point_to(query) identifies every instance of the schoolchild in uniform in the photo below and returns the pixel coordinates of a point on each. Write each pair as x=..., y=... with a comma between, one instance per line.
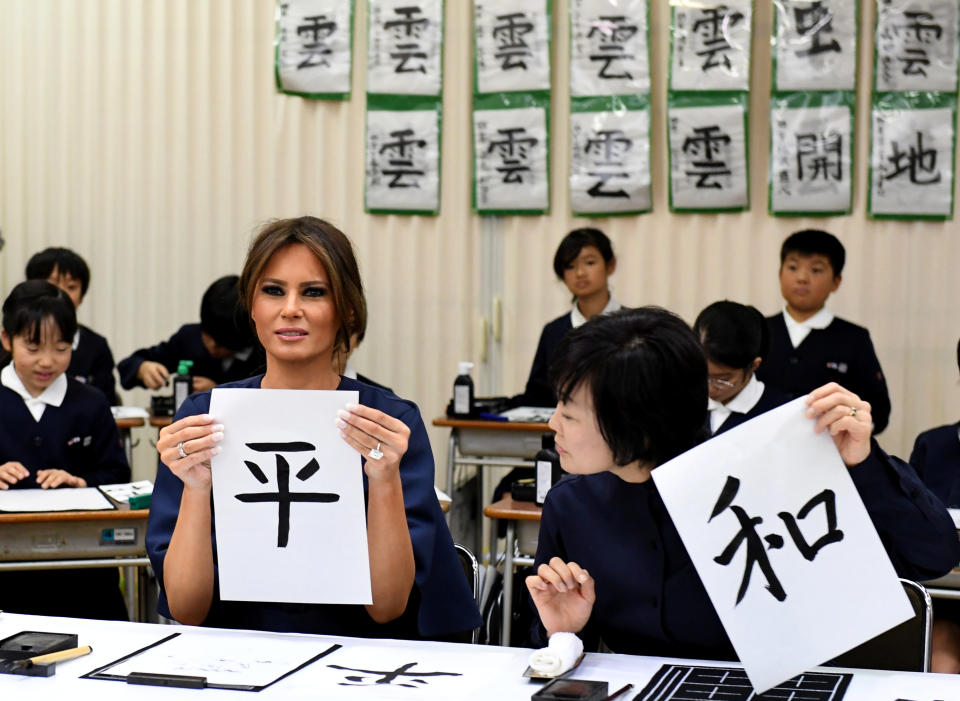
x=735, y=340
x=222, y=346
x=809, y=346
x=610, y=563
x=583, y=262
x=302, y=287
x=936, y=458
x=92, y=361
x=56, y=432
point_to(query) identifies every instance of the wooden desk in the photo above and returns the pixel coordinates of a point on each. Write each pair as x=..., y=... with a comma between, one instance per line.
x=485, y=444
x=80, y=539
x=160, y=421
x=510, y=511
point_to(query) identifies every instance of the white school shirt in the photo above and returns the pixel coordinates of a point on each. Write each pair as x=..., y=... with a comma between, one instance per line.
x=742, y=403
x=799, y=330
x=52, y=395
x=577, y=318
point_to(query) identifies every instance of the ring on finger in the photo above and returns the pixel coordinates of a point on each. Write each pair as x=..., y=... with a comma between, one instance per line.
x=183, y=453
x=376, y=453
x=853, y=412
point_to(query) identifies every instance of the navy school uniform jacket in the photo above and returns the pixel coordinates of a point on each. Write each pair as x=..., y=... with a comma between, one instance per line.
x=81, y=437
x=841, y=353
x=770, y=399
x=441, y=603
x=650, y=600
x=187, y=344
x=539, y=391
x=936, y=458
x=92, y=363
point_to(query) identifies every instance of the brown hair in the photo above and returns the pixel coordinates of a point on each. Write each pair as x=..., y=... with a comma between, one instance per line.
x=335, y=252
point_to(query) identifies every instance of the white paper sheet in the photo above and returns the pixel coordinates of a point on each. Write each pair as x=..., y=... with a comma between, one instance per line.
x=64, y=499
x=314, y=46
x=816, y=47
x=403, y=47
x=711, y=44
x=510, y=148
x=403, y=160
x=378, y=672
x=129, y=412
x=233, y=660
x=512, y=45
x=321, y=557
x=781, y=464
x=608, y=47
x=122, y=492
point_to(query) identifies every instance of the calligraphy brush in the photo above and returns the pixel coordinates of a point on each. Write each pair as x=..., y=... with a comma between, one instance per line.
x=61, y=656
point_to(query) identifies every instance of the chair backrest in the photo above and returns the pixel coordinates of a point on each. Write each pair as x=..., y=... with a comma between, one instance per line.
x=903, y=648
x=471, y=570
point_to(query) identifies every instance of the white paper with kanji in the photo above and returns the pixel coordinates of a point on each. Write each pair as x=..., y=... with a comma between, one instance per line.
x=512, y=45
x=404, y=47
x=912, y=162
x=916, y=45
x=711, y=44
x=610, y=161
x=766, y=492
x=810, y=159
x=608, y=47
x=313, y=46
x=816, y=47
x=708, y=157
x=510, y=154
x=403, y=160
x=288, y=499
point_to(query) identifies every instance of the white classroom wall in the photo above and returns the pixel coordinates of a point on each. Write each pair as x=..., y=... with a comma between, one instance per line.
x=148, y=136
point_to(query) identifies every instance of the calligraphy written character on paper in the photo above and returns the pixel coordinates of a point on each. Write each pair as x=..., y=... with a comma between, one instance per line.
x=610, y=161
x=512, y=45
x=402, y=171
x=916, y=46
x=912, y=162
x=313, y=47
x=816, y=44
x=510, y=148
x=401, y=676
x=404, y=47
x=608, y=52
x=711, y=45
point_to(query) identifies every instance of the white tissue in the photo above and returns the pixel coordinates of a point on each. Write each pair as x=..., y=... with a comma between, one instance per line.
x=560, y=655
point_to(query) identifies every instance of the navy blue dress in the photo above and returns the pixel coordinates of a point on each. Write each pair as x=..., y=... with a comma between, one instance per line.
x=441, y=603
x=81, y=437
x=187, y=344
x=650, y=600
x=936, y=458
x=841, y=353
x=770, y=399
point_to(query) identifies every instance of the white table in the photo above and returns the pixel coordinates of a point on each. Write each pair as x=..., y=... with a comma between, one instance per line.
x=498, y=669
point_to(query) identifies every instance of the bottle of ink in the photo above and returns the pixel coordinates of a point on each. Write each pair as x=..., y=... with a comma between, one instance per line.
x=463, y=392
x=182, y=383
x=549, y=471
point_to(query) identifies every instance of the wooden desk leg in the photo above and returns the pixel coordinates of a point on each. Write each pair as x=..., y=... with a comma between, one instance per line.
x=131, y=576
x=127, y=441
x=508, y=584
x=451, y=464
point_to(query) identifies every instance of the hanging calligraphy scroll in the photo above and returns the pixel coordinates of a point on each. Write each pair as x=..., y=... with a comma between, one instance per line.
x=403, y=156
x=511, y=147
x=512, y=48
x=405, y=47
x=313, y=48
x=710, y=44
x=916, y=46
x=815, y=45
x=708, y=152
x=610, y=155
x=911, y=164
x=811, y=152
x=609, y=47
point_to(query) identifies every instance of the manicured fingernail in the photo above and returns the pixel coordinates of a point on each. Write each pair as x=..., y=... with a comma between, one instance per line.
x=582, y=578
x=216, y=437
x=352, y=406
x=341, y=424
x=216, y=450
x=342, y=434
x=218, y=428
x=207, y=417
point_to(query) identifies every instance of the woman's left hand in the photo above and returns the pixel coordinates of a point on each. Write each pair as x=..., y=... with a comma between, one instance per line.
x=369, y=431
x=51, y=479
x=846, y=416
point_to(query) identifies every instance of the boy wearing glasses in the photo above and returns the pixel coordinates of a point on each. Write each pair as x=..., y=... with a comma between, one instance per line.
x=809, y=346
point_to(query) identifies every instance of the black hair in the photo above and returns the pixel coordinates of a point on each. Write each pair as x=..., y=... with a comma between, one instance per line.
x=223, y=315
x=41, y=266
x=647, y=376
x=812, y=242
x=30, y=304
x=574, y=242
x=732, y=334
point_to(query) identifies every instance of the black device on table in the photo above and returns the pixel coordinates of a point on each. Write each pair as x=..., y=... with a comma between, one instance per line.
x=572, y=690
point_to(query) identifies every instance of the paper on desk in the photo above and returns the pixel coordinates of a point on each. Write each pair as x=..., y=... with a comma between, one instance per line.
x=129, y=412
x=63, y=499
x=123, y=491
x=288, y=499
x=528, y=414
x=755, y=481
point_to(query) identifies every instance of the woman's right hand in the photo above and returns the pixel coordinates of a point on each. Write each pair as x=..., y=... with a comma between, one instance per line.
x=199, y=436
x=563, y=593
